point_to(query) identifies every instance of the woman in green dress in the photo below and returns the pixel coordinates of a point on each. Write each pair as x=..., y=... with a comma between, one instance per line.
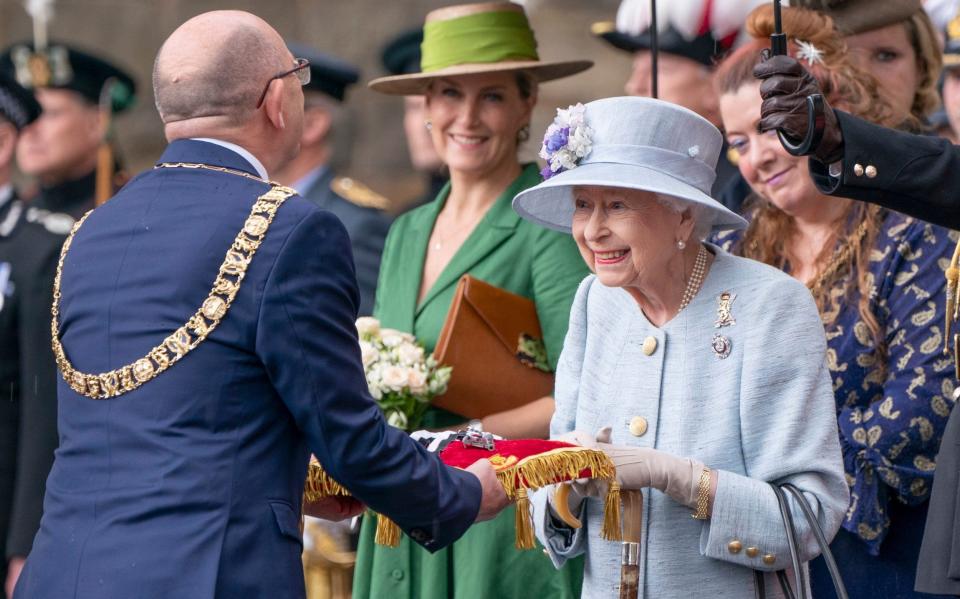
x=480, y=77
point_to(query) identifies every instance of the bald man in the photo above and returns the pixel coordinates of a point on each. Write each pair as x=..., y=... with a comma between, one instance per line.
x=207, y=347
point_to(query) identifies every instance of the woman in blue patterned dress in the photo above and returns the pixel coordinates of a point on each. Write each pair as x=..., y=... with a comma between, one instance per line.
x=878, y=279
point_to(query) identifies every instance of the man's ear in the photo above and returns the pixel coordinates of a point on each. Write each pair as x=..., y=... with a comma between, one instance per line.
x=8, y=142
x=316, y=125
x=97, y=124
x=273, y=104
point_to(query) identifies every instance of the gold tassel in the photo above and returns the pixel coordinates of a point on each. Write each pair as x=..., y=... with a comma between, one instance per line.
x=104, y=177
x=953, y=274
x=524, y=522
x=388, y=533
x=319, y=484
x=611, y=529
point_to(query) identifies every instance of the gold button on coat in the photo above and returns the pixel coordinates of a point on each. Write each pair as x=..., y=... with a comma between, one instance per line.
x=638, y=426
x=858, y=169
x=769, y=558
x=752, y=552
x=649, y=346
x=734, y=546
x=870, y=171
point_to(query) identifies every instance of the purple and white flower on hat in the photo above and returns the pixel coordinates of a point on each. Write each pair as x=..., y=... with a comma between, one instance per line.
x=567, y=140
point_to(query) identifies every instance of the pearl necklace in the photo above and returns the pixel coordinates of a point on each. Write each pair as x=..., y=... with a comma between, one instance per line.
x=696, y=278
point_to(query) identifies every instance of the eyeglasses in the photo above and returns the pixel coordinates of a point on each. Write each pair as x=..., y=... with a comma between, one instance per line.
x=301, y=70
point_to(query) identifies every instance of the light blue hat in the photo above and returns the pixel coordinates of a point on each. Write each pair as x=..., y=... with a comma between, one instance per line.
x=632, y=143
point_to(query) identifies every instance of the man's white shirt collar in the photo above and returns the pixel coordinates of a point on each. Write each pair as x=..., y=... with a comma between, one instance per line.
x=246, y=155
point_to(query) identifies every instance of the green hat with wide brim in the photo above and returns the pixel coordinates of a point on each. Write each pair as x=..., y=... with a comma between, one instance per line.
x=470, y=39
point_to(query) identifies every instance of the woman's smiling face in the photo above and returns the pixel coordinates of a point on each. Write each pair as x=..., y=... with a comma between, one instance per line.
x=771, y=171
x=475, y=120
x=626, y=236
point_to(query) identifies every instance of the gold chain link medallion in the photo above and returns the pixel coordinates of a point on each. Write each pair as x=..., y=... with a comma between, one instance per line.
x=200, y=325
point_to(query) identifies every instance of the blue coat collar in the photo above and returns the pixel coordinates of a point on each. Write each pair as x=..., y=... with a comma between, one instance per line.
x=191, y=150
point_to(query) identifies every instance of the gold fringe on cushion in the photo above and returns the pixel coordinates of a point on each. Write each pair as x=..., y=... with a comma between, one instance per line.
x=524, y=522
x=533, y=472
x=545, y=469
x=388, y=533
x=319, y=484
x=611, y=529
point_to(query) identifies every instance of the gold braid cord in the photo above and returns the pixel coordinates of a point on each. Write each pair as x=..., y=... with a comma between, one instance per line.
x=172, y=349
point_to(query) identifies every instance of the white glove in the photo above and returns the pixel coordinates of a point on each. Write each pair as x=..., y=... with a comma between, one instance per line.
x=584, y=439
x=642, y=467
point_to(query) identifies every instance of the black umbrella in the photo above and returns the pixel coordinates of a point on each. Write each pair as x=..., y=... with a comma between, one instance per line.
x=815, y=108
x=654, y=47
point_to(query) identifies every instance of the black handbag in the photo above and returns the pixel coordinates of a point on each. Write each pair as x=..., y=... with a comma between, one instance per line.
x=801, y=574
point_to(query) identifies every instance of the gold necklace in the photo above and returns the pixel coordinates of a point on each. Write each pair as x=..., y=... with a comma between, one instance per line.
x=696, y=278
x=437, y=244
x=839, y=259
x=213, y=309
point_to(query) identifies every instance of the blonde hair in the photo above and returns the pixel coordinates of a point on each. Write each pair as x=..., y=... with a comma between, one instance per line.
x=926, y=44
x=841, y=271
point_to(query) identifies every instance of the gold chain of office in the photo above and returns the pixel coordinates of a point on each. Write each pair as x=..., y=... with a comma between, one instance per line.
x=213, y=309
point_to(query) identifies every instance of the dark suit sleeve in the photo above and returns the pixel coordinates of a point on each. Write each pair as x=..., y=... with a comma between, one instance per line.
x=367, y=239
x=38, y=398
x=917, y=175
x=308, y=341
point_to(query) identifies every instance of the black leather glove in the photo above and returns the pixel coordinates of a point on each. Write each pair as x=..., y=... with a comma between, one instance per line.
x=784, y=88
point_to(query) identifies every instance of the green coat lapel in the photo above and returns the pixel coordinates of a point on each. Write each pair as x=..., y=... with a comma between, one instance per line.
x=413, y=251
x=497, y=225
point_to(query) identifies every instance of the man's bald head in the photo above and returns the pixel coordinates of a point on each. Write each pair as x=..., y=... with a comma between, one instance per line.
x=215, y=66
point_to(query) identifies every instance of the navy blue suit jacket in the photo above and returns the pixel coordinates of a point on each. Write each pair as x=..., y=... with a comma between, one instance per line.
x=190, y=486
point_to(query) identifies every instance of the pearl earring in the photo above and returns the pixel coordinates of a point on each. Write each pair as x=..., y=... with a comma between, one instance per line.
x=681, y=244
x=428, y=125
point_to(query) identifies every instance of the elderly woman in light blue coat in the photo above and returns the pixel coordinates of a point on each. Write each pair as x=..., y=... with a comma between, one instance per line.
x=704, y=373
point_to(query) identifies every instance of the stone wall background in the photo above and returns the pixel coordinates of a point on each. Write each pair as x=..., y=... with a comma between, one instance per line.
x=130, y=32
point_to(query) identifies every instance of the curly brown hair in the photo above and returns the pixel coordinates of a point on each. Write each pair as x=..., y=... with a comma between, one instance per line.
x=842, y=266
x=925, y=41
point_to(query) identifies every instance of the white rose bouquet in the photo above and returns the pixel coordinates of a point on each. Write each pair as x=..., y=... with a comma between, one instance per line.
x=400, y=376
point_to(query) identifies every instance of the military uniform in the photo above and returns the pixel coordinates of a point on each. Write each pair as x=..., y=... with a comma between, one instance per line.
x=631, y=33
x=10, y=211
x=18, y=108
x=362, y=211
x=401, y=56
x=33, y=246
x=917, y=175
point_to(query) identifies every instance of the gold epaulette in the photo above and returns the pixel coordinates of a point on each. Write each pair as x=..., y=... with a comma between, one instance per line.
x=602, y=28
x=357, y=193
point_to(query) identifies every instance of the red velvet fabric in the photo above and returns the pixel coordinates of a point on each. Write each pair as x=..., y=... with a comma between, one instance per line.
x=506, y=454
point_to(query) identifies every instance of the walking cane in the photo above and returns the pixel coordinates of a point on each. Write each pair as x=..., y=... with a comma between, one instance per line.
x=630, y=550
x=816, y=120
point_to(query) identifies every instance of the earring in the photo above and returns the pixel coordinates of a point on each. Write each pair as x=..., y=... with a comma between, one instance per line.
x=428, y=125
x=681, y=244
x=524, y=133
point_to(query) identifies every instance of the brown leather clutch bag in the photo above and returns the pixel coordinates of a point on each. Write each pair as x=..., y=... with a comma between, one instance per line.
x=492, y=338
